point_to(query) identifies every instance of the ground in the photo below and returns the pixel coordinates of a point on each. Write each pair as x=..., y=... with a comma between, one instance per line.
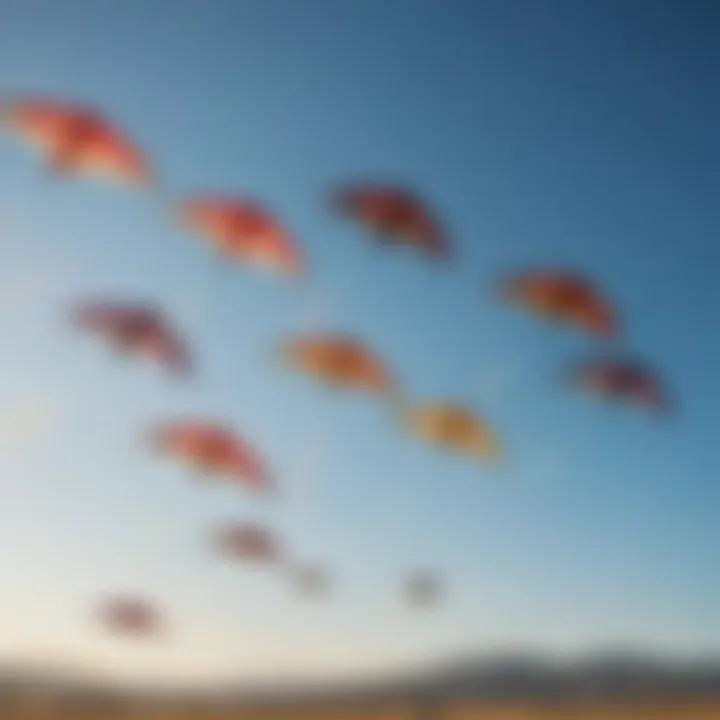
x=638, y=711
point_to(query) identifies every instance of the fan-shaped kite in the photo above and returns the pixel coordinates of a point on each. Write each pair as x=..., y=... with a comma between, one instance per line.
x=249, y=542
x=131, y=616
x=393, y=215
x=213, y=449
x=241, y=230
x=339, y=361
x=563, y=297
x=453, y=427
x=134, y=328
x=624, y=380
x=74, y=139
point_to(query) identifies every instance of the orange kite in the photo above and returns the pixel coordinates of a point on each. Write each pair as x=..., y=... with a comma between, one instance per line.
x=74, y=139
x=453, y=427
x=563, y=297
x=339, y=361
x=212, y=449
x=242, y=231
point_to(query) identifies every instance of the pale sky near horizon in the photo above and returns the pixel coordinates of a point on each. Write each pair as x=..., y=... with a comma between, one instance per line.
x=579, y=134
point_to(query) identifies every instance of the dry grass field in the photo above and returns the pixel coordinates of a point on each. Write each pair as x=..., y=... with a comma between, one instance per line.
x=686, y=710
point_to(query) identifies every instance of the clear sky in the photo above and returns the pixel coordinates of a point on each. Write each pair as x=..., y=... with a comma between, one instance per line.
x=561, y=132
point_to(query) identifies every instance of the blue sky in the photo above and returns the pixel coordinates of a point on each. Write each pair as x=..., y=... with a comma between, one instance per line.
x=579, y=134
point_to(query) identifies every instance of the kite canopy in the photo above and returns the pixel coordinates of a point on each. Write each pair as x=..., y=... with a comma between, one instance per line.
x=249, y=542
x=563, y=297
x=138, y=329
x=131, y=616
x=622, y=380
x=74, y=139
x=393, y=215
x=339, y=361
x=423, y=588
x=214, y=449
x=453, y=427
x=241, y=230
x=311, y=580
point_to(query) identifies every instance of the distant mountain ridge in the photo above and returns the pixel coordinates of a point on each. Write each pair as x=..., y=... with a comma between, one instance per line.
x=529, y=677
x=606, y=675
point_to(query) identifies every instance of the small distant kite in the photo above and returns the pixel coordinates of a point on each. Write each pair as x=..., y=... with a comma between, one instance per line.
x=311, y=580
x=394, y=217
x=455, y=428
x=248, y=542
x=242, y=231
x=75, y=139
x=213, y=449
x=423, y=589
x=340, y=362
x=131, y=616
x=621, y=380
x=136, y=329
x=564, y=298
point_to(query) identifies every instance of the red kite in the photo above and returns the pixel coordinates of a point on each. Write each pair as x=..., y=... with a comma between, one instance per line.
x=241, y=230
x=131, y=616
x=212, y=448
x=340, y=361
x=563, y=297
x=249, y=542
x=393, y=215
x=423, y=588
x=134, y=328
x=620, y=380
x=74, y=139
x=455, y=428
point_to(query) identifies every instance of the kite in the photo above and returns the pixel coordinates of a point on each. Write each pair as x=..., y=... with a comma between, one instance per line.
x=242, y=231
x=393, y=216
x=131, y=616
x=453, y=427
x=564, y=298
x=423, y=589
x=74, y=139
x=311, y=580
x=622, y=380
x=338, y=361
x=135, y=329
x=213, y=449
x=248, y=542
